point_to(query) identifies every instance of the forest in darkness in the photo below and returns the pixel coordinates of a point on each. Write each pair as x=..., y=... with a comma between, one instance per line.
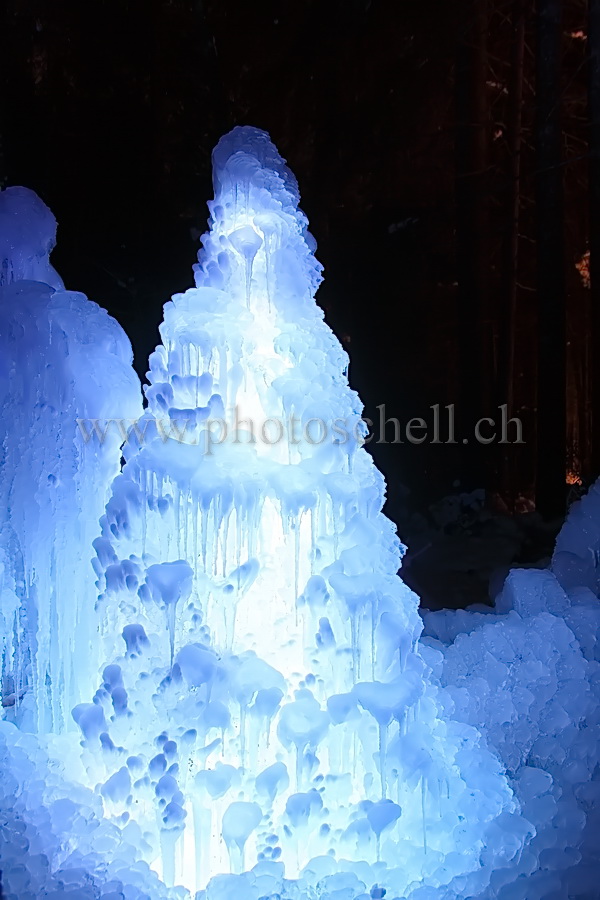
x=448, y=156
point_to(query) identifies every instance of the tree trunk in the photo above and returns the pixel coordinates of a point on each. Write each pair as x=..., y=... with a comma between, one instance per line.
x=551, y=389
x=594, y=186
x=506, y=380
x=472, y=258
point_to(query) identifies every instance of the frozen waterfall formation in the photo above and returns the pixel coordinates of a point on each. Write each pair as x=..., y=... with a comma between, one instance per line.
x=267, y=690
x=267, y=721
x=62, y=358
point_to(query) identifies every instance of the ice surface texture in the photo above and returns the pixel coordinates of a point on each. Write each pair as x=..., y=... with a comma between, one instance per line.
x=265, y=722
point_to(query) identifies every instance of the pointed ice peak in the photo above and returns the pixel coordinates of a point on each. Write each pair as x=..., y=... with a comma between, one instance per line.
x=255, y=218
x=27, y=237
x=246, y=156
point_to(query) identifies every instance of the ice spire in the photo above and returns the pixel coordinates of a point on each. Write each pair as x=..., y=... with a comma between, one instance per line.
x=266, y=700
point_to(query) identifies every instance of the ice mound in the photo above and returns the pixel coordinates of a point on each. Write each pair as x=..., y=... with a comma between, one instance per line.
x=527, y=675
x=241, y=707
x=577, y=553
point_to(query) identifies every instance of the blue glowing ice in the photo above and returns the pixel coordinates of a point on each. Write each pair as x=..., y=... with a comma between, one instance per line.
x=62, y=358
x=266, y=721
x=245, y=537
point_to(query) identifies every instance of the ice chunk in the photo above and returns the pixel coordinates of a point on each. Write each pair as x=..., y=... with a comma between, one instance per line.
x=239, y=821
x=198, y=664
x=382, y=814
x=529, y=592
x=27, y=237
x=117, y=787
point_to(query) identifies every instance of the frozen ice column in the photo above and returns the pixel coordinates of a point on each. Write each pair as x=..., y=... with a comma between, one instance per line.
x=265, y=698
x=251, y=449
x=62, y=359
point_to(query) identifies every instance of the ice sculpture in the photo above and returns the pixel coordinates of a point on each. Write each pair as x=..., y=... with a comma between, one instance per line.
x=265, y=701
x=259, y=715
x=61, y=358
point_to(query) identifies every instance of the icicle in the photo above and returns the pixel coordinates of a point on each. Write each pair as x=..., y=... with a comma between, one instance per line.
x=195, y=515
x=144, y=480
x=186, y=521
x=373, y=626
x=248, y=279
x=201, y=841
x=297, y=523
x=268, y=273
x=355, y=647
x=246, y=242
x=423, y=796
x=226, y=539
x=238, y=536
x=216, y=527
x=383, y=759
x=168, y=839
x=242, y=734
x=336, y=515
x=170, y=610
x=299, y=761
x=314, y=515
x=203, y=534
x=250, y=529
x=177, y=505
x=223, y=385
x=195, y=370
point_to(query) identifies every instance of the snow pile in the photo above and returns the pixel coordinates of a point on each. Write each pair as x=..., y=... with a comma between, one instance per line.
x=528, y=676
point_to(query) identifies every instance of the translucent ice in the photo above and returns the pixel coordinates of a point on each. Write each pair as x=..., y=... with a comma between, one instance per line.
x=27, y=237
x=528, y=678
x=246, y=562
x=62, y=360
x=259, y=716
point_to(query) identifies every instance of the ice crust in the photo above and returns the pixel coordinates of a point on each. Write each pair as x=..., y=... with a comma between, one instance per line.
x=259, y=715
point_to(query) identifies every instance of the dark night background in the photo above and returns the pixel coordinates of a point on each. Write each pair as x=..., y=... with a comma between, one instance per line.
x=415, y=129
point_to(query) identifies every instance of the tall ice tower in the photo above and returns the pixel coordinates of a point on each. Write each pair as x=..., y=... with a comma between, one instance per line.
x=267, y=702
